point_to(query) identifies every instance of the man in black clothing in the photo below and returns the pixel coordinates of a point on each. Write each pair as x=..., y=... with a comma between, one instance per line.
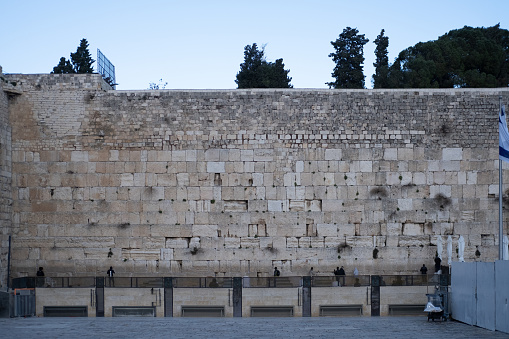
x=110, y=274
x=276, y=272
x=438, y=261
x=424, y=269
x=40, y=279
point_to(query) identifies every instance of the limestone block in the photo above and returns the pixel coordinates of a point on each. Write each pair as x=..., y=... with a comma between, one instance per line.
x=215, y=167
x=230, y=242
x=368, y=229
x=191, y=155
x=216, y=243
x=391, y=154
x=257, y=205
x=452, y=154
x=290, y=193
x=277, y=205
x=166, y=254
x=327, y=230
x=153, y=242
x=213, y=155
x=266, y=242
x=313, y=205
x=346, y=230
x=235, y=230
x=278, y=242
x=471, y=178
x=331, y=205
x=333, y=154
x=176, y=242
x=333, y=242
x=205, y=230
x=405, y=204
x=317, y=242
x=246, y=155
x=366, y=166
x=405, y=240
x=300, y=192
x=127, y=179
x=263, y=154
x=138, y=254
x=258, y=179
x=79, y=156
x=139, y=179
x=178, y=156
x=392, y=241
x=412, y=229
x=359, y=241
x=292, y=242
x=250, y=242
x=299, y=166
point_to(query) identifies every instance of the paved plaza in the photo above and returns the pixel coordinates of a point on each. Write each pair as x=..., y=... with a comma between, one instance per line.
x=323, y=327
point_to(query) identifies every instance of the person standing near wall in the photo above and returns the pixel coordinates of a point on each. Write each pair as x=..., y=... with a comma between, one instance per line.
x=438, y=262
x=110, y=274
x=40, y=277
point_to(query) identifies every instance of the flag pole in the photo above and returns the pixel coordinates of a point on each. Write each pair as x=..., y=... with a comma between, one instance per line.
x=500, y=218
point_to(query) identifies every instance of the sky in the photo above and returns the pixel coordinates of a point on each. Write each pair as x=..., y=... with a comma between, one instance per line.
x=196, y=44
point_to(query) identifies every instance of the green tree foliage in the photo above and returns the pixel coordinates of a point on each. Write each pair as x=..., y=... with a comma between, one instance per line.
x=467, y=57
x=81, y=61
x=380, y=78
x=348, y=57
x=256, y=72
x=64, y=66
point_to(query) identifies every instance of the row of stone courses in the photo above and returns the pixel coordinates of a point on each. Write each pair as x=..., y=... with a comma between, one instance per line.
x=265, y=154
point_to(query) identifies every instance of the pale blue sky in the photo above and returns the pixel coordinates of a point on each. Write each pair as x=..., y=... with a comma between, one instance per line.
x=200, y=44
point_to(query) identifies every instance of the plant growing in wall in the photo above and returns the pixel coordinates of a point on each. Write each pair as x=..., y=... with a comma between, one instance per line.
x=110, y=253
x=375, y=253
x=442, y=201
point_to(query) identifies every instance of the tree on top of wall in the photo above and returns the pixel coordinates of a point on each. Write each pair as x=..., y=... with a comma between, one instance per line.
x=81, y=61
x=380, y=78
x=462, y=58
x=257, y=72
x=348, y=57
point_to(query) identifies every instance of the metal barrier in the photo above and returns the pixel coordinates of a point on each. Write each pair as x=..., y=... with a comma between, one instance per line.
x=60, y=282
x=23, y=302
x=134, y=282
x=198, y=282
x=227, y=282
x=279, y=282
x=415, y=280
x=341, y=280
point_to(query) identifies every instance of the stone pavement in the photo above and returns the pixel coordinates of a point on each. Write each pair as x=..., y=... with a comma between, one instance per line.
x=323, y=327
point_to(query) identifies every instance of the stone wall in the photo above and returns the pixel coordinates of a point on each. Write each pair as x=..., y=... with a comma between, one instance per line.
x=235, y=182
x=5, y=179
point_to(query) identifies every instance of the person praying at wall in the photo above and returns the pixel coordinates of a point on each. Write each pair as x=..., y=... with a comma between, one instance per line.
x=276, y=272
x=40, y=277
x=340, y=272
x=424, y=269
x=110, y=274
x=40, y=272
x=438, y=262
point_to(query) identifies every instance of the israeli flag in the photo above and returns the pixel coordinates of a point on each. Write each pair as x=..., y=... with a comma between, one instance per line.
x=503, y=136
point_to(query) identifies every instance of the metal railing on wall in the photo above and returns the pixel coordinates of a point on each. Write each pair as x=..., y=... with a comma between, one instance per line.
x=227, y=282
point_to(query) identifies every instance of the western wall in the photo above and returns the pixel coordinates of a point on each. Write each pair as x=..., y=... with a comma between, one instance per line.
x=236, y=182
